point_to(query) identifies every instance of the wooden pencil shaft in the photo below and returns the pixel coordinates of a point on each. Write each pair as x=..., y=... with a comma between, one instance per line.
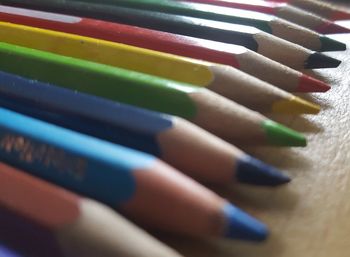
x=233, y=55
x=284, y=11
x=43, y=220
x=320, y=8
x=118, y=84
x=284, y=52
x=270, y=24
x=153, y=20
x=120, y=177
x=198, y=105
x=156, y=134
x=224, y=80
x=237, y=16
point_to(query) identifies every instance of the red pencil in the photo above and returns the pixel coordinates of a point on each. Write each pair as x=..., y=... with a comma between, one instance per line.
x=236, y=56
x=284, y=11
x=320, y=8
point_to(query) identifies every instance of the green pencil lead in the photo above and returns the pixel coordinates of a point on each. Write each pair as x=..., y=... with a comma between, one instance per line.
x=329, y=44
x=278, y=134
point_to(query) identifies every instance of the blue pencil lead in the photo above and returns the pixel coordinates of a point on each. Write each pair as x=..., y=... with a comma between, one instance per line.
x=252, y=171
x=242, y=226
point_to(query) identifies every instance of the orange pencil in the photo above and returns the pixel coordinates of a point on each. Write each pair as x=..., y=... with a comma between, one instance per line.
x=41, y=220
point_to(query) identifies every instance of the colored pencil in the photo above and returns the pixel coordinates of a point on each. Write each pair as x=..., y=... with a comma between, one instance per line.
x=210, y=111
x=268, y=23
x=43, y=220
x=233, y=55
x=224, y=80
x=142, y=186
x=284, y=11
x=212, y=160
x=272, y=47
x=6, y=252
x=320, y=8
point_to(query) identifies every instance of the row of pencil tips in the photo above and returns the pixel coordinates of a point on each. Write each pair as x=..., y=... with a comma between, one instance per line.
x=136, y=105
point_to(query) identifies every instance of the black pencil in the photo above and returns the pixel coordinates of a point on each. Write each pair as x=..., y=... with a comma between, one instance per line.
x=271, y=24
x=268, y=45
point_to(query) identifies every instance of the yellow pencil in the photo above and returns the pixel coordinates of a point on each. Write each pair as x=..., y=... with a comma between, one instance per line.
x=222, y=79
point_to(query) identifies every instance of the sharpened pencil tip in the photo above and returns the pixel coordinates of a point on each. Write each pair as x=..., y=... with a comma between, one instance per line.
x=295, y=105
x=340, y=15
x=309, y=84
x=328, y=44
x=331, y=28
x=278, y=134
x=242, y=226
x=254, y=172
x=319, y=61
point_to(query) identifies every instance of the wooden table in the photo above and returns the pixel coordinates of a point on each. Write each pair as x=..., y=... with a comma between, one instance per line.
x=311, y=216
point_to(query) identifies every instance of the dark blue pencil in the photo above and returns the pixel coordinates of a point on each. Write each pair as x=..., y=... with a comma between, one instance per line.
x=142, y=186
x=204, y=157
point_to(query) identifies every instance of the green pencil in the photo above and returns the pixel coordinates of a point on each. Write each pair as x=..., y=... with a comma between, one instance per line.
x=210, y=111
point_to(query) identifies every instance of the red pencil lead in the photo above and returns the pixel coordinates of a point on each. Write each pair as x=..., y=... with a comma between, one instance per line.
x=340, y=15
x=308, y=84
x=331, y=28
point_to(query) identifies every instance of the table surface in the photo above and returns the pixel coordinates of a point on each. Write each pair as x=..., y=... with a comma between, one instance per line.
x=310, y=216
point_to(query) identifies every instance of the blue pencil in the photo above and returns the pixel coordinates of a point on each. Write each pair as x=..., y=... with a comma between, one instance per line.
x=140, y=185
x=212, y=160
x=6, y=252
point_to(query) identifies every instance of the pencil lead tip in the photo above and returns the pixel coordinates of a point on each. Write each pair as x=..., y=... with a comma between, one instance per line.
x=242, y=226
x=329, y=44
x=309, y=84
x=340, y=15
x=278, y=134
x=331, y=28
x=252, y=171
x=318, y=61
x=295, y=105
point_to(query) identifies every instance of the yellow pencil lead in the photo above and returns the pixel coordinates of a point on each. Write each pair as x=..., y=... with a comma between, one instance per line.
x=295, y=105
